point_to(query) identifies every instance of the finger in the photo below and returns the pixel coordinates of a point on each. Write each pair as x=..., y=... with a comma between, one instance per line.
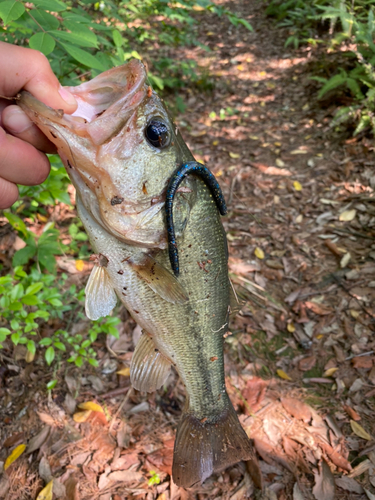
x=30, y=69
x=16, y=122
x=20, y=162
x=8, y=193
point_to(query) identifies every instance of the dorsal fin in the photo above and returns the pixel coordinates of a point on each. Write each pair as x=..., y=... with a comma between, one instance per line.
x=160, y=280
x=149, y=369
x=101, y=297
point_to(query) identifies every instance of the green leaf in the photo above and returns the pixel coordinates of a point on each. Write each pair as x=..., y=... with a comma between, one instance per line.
x=93, y=362
x=31, y=346
x=11, y=11
x=82, y=31
x=23, y=256
x=55, y=302
x=73, y=38
x=331, y=84
x=78, y=361
x=34, y=288
x=50, y=355
x=117, y=38
x=16, y=222
x=45, y=342
x=30, y=300
x=59, y=345
x=47, y=21
x=4, y=331
x=15, y=338
x=17, y=292
x=82, y=56
x=51, y=5
x=42, y=42
x=246, y=24
x=51, y=384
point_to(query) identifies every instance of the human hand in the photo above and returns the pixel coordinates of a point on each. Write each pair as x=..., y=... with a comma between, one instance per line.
x=21, y=142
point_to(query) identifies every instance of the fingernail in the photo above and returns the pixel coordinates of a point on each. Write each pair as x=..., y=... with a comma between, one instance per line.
x=67, y=96
x=16, y=121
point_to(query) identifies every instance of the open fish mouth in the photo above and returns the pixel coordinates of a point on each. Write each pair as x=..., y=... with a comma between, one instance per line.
x=105, y=103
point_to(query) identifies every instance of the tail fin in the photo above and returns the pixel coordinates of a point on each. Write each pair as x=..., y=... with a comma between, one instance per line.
x=202, y=448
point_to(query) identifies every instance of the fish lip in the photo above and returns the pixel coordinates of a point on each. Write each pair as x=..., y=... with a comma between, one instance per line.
x=126, y=89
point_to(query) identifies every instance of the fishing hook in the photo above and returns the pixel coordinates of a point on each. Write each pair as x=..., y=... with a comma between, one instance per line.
x=178, y=176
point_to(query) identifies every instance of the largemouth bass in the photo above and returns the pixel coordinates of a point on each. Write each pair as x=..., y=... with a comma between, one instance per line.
x=121, y=151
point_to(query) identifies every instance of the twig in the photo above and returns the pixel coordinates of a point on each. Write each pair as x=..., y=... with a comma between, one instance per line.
x=359, y=355
x=125, y=400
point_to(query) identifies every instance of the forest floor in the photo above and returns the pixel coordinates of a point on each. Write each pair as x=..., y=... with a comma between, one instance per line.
x=300, y=362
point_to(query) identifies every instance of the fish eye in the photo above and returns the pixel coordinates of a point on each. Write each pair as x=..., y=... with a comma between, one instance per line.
x=157, y=133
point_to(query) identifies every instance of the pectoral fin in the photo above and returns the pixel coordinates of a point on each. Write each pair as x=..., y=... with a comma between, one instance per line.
x=149, y=368
x=160, y=280
x=100, y=295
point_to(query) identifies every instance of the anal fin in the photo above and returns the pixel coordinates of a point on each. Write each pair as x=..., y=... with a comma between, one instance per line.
x=160, y=280
x=149, y=368
x=101, y=297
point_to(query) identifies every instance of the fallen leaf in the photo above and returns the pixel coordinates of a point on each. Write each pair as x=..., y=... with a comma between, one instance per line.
x=324, y=488
x=330, y=372
x=80, y=265
x=306, y=364
x=349, y=484
x=125, y=476
x=352, y=413
x=291, y=328
x=47, y=419
x=318, y=308
x=81, y=416
x=297, y=186
x=360, y=431
x=125, y=372
x=348, y=215
x=234, y=155
x=364, y=362
x=297, y=409
x=280, y=162
x=17, y=452
x=258, y=252
x=90, y=405
x=36, y=442
x=283, y=375
x=345, y=260
x=299, y=152
x=46, y=493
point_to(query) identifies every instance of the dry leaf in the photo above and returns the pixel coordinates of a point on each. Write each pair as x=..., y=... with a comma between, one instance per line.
x=297, y=409
x=348, y=215
x=125, y=372
x=259, y=253
x=47, y=419
x=352, y=413
x=291, y=328
x=17, y=452
x=280, y=162
x=330, y=372
x=360, y=431
x=324, y=488
x=306, y=364
x=299, y=152
x=318, y=308
x=297, y=186
x=234, y=155
x=36, y=442
x=283, y=375
x=364, y=362
x=345, y=260
x=80, y=265
x=46, y=493
x=349, y=484
x=90, y=405
x=125, y=476
x=81, y=416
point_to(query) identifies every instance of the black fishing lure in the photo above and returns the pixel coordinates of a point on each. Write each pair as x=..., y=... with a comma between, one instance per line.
x=178, y=176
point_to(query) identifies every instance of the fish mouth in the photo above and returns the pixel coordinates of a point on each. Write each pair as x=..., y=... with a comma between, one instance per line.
x=107, y=109
x=105, y=103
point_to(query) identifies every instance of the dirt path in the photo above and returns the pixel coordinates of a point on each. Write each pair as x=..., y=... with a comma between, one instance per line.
x=301, y=229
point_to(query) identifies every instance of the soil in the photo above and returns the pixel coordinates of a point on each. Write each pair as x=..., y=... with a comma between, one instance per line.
x=300, y=358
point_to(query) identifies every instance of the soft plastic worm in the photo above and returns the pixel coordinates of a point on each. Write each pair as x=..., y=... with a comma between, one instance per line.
x=178, y=176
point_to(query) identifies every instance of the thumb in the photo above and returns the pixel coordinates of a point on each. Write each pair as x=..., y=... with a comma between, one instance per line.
x=30, y=70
